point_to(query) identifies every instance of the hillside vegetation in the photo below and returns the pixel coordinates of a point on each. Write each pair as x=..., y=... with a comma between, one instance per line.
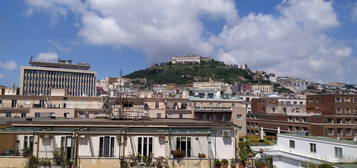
x=166, y=73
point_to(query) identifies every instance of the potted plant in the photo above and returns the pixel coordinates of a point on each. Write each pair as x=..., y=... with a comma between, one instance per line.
x=233, y=163
x=59, y=157
x=178, y=154
x=224, y=163
x=217, y=163
x=44, y=163
x=32, y=162
x=26, y=152
x=201, y=155
x=259, y=164
x=161, y=162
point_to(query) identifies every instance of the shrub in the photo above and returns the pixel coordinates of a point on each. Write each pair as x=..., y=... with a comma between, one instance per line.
x=224, y=162
x=201, y=155
x=217, y=163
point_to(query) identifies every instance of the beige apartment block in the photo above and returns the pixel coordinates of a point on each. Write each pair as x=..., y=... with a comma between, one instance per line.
x=49, y=106
x=266, y=89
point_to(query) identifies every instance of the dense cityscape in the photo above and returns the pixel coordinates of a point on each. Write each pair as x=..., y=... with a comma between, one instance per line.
x=62, y=110
x=178, y=84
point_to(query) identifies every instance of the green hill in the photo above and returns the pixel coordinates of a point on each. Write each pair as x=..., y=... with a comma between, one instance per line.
x=166, y=73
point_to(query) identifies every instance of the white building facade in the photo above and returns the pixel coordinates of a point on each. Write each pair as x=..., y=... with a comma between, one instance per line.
x=296, y=151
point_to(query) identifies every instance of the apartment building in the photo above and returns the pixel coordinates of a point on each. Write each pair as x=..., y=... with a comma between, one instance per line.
x=40, y=77
x=330, y=115
x=103, y=143
x=296, y=151
x=261, y=89
x=21, y=106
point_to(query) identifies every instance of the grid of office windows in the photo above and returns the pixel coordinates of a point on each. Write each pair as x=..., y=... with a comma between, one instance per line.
x=40, y=82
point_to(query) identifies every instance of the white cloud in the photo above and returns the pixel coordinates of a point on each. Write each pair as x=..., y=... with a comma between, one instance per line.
x=47, y=57
x=292, y=43
x=159, y=28
x=2, y=75
x=8, y=65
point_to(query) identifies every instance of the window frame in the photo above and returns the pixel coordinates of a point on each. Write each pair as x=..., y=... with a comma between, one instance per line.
x=291, y=144
x=312, y=148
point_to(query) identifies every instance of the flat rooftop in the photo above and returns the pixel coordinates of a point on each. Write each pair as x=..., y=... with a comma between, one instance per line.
x=66, y=64
x=80, y=122
x=320, y=138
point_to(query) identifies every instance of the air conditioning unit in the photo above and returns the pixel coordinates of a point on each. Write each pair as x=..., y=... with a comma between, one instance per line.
x=226, y=133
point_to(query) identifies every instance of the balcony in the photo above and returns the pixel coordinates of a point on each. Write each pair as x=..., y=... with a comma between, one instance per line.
x=213, y=109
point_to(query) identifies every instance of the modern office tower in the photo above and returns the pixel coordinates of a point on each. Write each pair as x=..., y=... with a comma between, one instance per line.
x=41, y=77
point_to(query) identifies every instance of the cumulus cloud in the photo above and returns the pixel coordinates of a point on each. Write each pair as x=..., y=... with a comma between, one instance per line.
x=47, y=57
x=8, y=65
x=159, y=28
x=291, y=42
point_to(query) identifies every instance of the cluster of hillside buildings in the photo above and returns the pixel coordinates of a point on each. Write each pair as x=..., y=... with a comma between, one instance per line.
x=63, y=105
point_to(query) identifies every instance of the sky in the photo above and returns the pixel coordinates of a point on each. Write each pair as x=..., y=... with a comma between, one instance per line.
x=314, y=40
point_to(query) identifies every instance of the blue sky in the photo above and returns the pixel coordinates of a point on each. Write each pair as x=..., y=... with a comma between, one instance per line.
x=131, y=37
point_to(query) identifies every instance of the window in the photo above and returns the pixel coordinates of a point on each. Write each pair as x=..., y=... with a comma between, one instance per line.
x=106, y=146
x=347, y=99
x=184, y=144
x=347, y=111
x=158, y=115
x=312, y=148
x=330, y=120
x=23, y=115
x=8, y=114
x=37, y=115
x=348, y=131
x=28, y=142
x=339, y=131
x=180, y=115
x=82, y=115
x=145, y=146
x=338, y=110
x=157, y=105
x=284, y=109
x=291, y=143
x=273, y=109
x=13, y=103
x=337, y=99
x=338, y=152
x=330, y=131
x=239, y=116
x=290, y=128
